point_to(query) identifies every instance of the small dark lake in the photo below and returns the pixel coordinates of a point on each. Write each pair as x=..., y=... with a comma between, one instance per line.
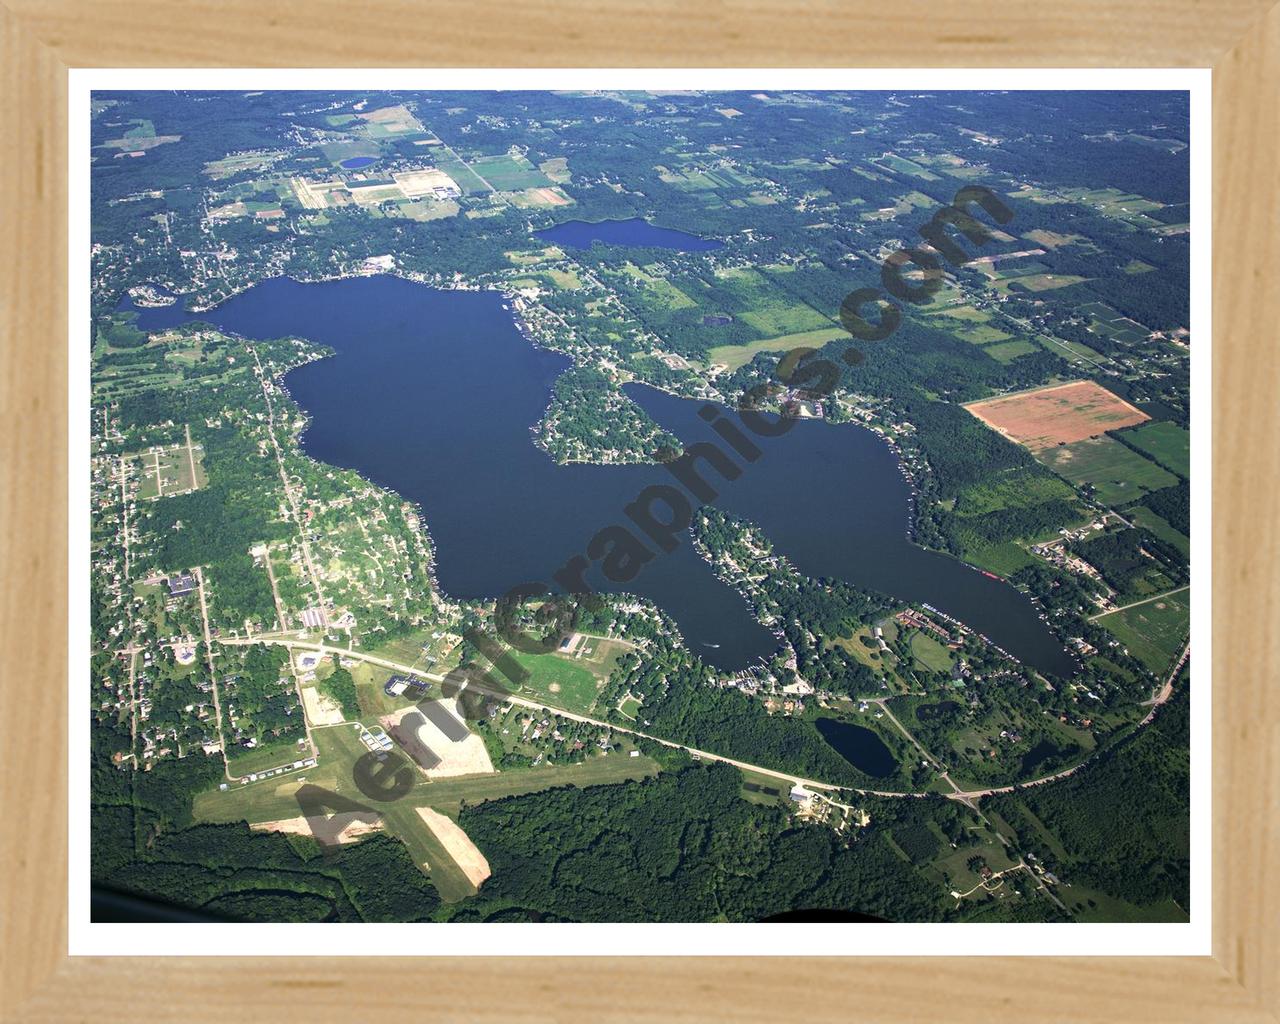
x=580, y=234
x=354, y=163
x=858, y=745
x=432, y=394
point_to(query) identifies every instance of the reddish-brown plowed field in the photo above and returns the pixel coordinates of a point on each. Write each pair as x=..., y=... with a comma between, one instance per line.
x=1058, y=414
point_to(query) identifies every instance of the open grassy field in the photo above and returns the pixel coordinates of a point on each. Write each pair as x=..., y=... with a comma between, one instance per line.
x=903, y=204
x=1117, y=474
x=1071, y=351
x=1167, y=443
x=1052, y=239
x=566, y=280
x=423, y=210
x=978, y=316
x=539, y=196
x=782, y=317
x=653, y=291
x=628, y=706
x=736, y=356
x=860, y=651
x=929, y=654
x=1048, y=282
x=893, y=162
x=467, y=179
x=983, y=334
x=1008, y=351
x=1154, y=630
x=1057, y=414
x=557, y=169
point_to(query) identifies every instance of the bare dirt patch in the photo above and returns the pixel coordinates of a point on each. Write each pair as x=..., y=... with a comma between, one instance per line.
x=1058, y=414
x=344, y=827
x=464, y=852
x=321, y=710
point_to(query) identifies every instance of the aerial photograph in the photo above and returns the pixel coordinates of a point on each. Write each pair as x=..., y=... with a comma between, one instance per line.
x=639, y=506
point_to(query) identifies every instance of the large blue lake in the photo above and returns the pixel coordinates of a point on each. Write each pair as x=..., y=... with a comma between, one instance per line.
x=580, y=234
x=433, y=393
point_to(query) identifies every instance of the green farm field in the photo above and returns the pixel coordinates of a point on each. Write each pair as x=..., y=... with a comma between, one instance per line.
x=509, y=174
x=1008, y=351
x=1167, y=443
x=1118, y=474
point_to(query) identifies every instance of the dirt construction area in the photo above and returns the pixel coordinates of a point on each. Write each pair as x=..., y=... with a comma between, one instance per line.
x=464, y=852
x=1058, y=414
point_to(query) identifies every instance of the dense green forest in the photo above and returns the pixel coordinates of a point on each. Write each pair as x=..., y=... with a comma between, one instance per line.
x=681, y=847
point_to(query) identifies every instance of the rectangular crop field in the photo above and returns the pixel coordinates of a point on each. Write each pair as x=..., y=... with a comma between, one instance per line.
x=509, y=174
x=1117, y=474
x=1058, y=414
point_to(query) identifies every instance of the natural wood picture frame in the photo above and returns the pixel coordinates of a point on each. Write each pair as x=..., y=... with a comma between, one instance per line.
x=42, y=39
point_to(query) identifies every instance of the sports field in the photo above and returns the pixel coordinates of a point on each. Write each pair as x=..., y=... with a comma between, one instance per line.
x=1057, y=414
x=1117, y=474
x=563, y=682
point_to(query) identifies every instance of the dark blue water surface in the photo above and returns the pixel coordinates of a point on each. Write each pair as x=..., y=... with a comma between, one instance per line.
x=432, y=394
x=354, y=163
x=579, y=234
x=858, y=745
